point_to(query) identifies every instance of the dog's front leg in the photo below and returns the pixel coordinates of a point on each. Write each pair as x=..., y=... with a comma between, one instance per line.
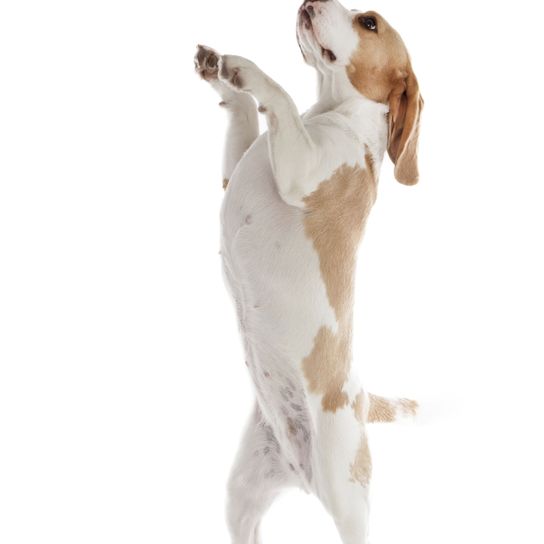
x=293, y=154
x=243, y=124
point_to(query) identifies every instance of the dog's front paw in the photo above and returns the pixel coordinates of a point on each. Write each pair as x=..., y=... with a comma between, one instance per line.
x=207, y=62
x=239, y=73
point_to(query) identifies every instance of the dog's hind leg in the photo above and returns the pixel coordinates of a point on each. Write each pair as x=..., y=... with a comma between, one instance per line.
x=343, y=470
x=243, y=123
x=259, y=474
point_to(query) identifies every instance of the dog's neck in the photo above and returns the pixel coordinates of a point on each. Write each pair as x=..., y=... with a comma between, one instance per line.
x=366, y=118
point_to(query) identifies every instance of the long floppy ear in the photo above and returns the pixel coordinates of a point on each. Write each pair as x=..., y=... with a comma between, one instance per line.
x=405, y=105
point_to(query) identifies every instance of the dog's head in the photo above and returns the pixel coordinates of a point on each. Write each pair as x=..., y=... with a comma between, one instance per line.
x=366, y=51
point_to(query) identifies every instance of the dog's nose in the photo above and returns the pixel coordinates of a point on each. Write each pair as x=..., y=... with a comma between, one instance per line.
x=309, y=8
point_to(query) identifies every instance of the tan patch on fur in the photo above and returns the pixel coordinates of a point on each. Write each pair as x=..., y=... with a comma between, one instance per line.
x=380, y=61
x=358, y=407
x=335, y=216
x=225, y=183
x=380, y=409
x=327, y=367
x=409, y=407
x=381, y=70
x=361, y=469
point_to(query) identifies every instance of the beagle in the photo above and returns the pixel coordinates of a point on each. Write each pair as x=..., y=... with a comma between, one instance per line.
x=296, y=202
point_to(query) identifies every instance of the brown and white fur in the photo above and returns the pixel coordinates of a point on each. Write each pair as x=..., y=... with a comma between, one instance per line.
x=294, y=211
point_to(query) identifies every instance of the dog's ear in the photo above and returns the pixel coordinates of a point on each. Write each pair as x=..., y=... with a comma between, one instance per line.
x=405, y=105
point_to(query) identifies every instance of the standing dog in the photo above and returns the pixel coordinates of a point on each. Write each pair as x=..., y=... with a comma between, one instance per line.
x=297, y=199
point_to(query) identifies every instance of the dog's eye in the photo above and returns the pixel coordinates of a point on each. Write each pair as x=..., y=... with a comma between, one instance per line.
x=369, y=23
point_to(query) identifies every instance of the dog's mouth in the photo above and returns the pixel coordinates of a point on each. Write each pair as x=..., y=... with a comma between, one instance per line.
x=306, y=16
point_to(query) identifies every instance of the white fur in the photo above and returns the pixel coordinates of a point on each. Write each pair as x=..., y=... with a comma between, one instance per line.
x=272, y=271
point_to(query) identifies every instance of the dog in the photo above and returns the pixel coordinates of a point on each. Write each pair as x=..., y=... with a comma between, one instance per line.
x=295, y=206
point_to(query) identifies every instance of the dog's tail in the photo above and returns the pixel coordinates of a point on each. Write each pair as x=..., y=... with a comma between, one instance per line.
x=384, y=410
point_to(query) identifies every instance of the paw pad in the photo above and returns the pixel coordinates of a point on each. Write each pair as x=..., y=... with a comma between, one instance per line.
x=206, y=62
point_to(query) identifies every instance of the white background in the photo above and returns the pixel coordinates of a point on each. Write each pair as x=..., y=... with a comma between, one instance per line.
x=122, y=384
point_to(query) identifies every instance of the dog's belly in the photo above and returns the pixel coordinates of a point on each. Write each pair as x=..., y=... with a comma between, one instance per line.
x=271, y=266
x=272, y=271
